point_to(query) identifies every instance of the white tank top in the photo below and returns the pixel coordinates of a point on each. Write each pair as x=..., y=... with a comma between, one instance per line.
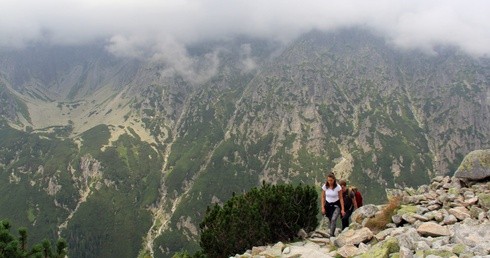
x=331, y=195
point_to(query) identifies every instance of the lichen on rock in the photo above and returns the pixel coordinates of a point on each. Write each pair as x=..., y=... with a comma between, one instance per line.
x=475, y=166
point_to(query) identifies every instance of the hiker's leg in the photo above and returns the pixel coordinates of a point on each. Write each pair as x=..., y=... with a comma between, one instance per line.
x=328, y=215
x=333, y=221
x=345, y=219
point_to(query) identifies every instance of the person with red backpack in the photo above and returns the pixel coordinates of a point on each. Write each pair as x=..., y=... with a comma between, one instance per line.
x=358, y=196
x=350, y=203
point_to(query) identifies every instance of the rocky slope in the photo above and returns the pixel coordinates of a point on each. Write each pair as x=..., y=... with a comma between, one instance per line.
x=448, y=218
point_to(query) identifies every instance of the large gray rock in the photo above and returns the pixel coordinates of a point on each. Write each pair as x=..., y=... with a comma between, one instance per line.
x=433, y=229
x=382, y=249
x=348, y=251
x=475, y=166
x=460, y=213
x=473, y=236
x=484, y=200
x=353, y=237
x=366, y=211
x=409, y=239
x=274, y=251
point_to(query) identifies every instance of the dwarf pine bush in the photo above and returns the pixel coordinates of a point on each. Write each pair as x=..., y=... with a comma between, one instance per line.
x=263, y=215
x=16, y=247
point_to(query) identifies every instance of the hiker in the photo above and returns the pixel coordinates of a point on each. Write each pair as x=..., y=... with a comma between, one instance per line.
x=350, y=203
x=332, y=202
x=358, y=196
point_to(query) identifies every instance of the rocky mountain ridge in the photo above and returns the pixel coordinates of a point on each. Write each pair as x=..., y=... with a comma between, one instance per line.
x=448, y=218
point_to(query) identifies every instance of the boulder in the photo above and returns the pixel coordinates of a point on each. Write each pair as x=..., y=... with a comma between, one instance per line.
x=449, y=220
x=460, y=213
x=407, y=209
x=274, y=251
x=484, y=201
x=348, y=251
x=420, y=217
x=405, y=252
x=475, y=166
x=472, y=236
x=459, y=249
x=302, y=234
x=309, y=250
x=383, y=249
x=408, y=239
x=256, y=250
x=408, y=217
x=434, y=253
x=353, y=237
x=366, y=211
x=433, y=229
x=383, y=234
x=397, y=219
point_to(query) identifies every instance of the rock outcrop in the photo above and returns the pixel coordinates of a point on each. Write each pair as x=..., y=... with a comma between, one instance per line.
x=443, y=219
x=475, y=166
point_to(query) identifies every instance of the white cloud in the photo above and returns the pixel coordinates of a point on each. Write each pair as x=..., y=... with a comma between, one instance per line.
x=132, y=27
x=247, y=61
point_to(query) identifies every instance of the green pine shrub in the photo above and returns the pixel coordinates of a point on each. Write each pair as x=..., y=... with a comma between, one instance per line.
x=16, y=247
x=263, y=215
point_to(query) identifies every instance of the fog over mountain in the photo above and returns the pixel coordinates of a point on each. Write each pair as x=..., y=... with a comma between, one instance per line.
x=148, y=28
x=122, y=121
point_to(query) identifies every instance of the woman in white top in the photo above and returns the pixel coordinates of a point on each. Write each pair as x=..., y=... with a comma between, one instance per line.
x=332, y=201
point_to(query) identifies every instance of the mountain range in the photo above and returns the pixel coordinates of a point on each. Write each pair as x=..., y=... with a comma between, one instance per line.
x=121, y=156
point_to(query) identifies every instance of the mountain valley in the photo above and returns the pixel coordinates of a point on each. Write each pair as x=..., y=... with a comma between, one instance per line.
x=121, y=156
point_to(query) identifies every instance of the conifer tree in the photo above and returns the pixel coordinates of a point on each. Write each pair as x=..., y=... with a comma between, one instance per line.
x=269, y=214
x=13, y=247
x=23, y=239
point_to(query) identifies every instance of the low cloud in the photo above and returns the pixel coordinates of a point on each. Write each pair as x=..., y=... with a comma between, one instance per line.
x=142, y=28
x=247, y=61
x=174, y=55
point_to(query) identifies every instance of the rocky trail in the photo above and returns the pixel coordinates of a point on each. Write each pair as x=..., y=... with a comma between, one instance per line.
x=450, y=217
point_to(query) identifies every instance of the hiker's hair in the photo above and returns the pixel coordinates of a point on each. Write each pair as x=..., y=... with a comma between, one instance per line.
x=331, y=175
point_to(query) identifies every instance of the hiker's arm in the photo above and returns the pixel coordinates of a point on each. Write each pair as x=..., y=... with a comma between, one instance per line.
x=323, y=202
x=342, y=211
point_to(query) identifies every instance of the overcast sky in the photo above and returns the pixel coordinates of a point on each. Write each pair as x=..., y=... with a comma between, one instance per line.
x=132, y=26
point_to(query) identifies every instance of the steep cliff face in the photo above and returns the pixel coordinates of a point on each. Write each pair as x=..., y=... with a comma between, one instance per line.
x=348, y=96
x=157, y=144
x=449, y=95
